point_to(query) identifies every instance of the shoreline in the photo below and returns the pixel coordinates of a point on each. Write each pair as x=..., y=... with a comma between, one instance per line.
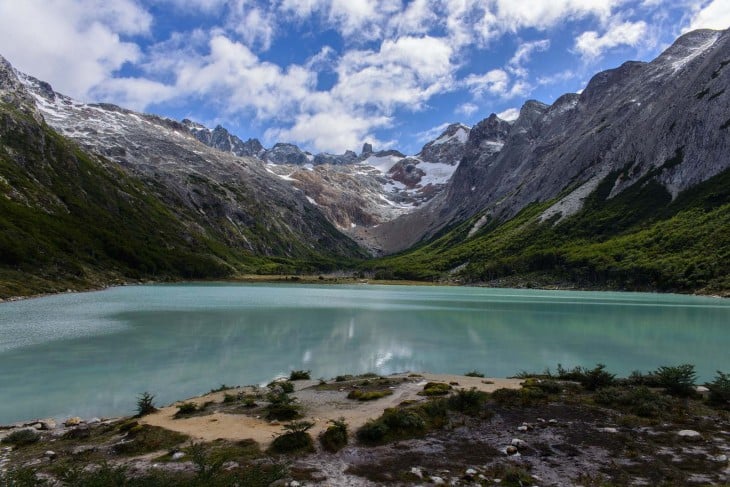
x=311, y=279
x=419, y=428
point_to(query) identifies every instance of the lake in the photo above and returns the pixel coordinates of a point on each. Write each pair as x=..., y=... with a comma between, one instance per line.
x=90, y=354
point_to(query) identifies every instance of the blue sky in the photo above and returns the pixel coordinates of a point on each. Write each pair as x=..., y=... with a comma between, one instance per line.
x=329, y=75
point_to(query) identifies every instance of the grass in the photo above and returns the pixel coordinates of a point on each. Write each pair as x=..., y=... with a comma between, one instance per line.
x=142, y=439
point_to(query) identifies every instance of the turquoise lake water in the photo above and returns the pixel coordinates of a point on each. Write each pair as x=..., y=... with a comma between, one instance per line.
x=90, y=354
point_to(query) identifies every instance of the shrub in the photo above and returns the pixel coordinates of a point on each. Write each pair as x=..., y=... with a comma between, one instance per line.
x=286, y=385
x=474, y=373
x=678, y=380
x=435, y=389
x=527, y=396
x=296, y=438
x=205, y=464
x=334, y=438
x=720, y=390
x=22, y=437
x=221, y=388
x=300, y=375
x=640, y=401
x=374, y=431
x=144, y=439
x=403, y=420
x=368, y=395
x=282, y=408
x=596, y=378
x=186, y=409
x=343, y=378
x=467, y=401
x=145, y=404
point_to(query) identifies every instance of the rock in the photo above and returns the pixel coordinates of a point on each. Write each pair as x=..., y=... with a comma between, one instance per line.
x=367, y=149
x=73, y=421
x=274, y=422
x=518, y=443
x=48, y=424
x=608, y=430
x=470, y=471
x=511, y=450
x=438, y=481
x=522, y=428
x=178, y=455
x=36, y=426
x=50, y=454
x=294, y=483
x=94, y=421
x=552, y=421
x=83, y=449
x=417, y=472
x=689, y=434
x=720, y=458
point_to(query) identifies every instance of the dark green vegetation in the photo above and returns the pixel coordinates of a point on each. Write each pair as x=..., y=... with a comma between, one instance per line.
x=300, y=375
x=637, y=240
x=72, y=220
x=295, y=439
x=334, y=438
x=145, y=404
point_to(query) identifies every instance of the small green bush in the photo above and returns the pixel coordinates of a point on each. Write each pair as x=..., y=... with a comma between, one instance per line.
x=469, y=401
x=640, y=401
x=677, y=380
x=281, y=407
x=145, y=438
x=525, y=397
x=286, y=385
x=435, y=389
x=372, y=432
x=343, y=378
x=334, y=438
x=360, y=395
x=22, y=437
x=186, y=409
x=720, y=390
x=296, y=439
x=221, y=388
x=145, y=404
x=300, y=375
x=474, y=373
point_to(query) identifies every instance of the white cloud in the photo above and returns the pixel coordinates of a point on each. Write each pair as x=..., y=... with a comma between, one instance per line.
x=73, y=43
x=466, y=109
x=591, y=45
x=255, y=26
x=524, y=54
x=714, y=15
x=495, y=81
x=510, y=114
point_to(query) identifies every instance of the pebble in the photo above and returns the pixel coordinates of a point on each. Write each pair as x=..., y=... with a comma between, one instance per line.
x=294, y=483
x=471, y=471
x=178, y=455
x=50, y=454
x=94, y=421
x=608, y=430
x=553, y=421
x=721, y=458
x=689, y=434
x=273, y=422
x=522, y=428
x=417, y=472
x=511, y=450
x=518, y=443
x=438, y=481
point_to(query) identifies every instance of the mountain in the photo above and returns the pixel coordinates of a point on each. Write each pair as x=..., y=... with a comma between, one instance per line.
x=93, y=192
x=626, y=181
x=625, y=185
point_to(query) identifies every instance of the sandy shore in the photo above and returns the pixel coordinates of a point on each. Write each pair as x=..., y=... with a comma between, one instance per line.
x=319, y=406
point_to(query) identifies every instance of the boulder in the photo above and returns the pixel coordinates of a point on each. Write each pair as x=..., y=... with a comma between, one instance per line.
x=73, y=421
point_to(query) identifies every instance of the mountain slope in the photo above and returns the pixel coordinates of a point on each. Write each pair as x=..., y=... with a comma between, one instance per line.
x=668, y=115
x=134, y=203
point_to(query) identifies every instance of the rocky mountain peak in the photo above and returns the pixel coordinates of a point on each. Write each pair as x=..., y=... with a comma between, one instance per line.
x=367, y=149
x=284, y=153
x=448, y=147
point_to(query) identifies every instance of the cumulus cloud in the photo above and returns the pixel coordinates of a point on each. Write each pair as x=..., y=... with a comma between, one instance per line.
x=75, y=44
x=591, y=45
x=714, y=15
x=524, y=53
x=466, y=109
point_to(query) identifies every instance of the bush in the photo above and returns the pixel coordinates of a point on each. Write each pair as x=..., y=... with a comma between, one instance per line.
x=435, y=389
x=374, y=431
x=591, y=379
x=286, y=385
x=467, y=401
x=144, y=439
x=22, y=437
x=296, y=438
x=474, y=373
x=677, y=381
x=640, y=401
x=720, y=390
x=368, y=395
x=334, y=438
x=527, y=396
x=300, y=375
x=282, y=408
x=186, y=409
x=145, y=404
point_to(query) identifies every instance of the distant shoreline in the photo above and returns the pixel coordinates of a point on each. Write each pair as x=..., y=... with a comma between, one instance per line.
x=325, y=279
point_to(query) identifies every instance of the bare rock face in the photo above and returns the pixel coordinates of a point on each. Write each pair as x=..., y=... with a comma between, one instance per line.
x=667, y=120
x=448, y=148
x=287, y=154
x=219, y=138
x=349, y=157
